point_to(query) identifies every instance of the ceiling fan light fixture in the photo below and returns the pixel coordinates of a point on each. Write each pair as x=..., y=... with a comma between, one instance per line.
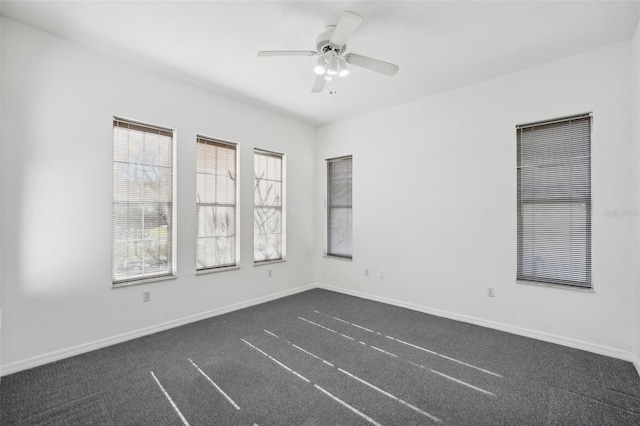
x=328, y=77
x=321, y=66
x=343, y=70
x=332, y=65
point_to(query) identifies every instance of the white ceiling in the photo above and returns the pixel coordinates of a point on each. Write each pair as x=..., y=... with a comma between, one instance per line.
x=438, y=45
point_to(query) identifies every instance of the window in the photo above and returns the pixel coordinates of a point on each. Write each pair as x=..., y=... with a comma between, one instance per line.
x=339, y=207
x=268, y=200
x=554, y=201
x=216, y=183
x=142, y=202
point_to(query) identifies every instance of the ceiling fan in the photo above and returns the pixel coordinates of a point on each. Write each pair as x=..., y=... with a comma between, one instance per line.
x=330, y=47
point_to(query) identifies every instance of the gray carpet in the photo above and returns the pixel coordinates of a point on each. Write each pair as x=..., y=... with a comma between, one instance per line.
x=322, y=358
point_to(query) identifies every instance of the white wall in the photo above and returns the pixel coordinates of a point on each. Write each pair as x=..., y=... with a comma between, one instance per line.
x=434, y=198
x=635, y=161
x=58, y=100
x=0, y=187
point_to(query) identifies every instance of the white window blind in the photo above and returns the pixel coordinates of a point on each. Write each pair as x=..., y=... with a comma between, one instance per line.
x=339, y=207
x=554, y=201
x=268, y=217
x=142, y=201
x=216, y=183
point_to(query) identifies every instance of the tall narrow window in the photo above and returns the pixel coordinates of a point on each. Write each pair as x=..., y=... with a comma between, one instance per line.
x=216, y=185
x=554, y=201
x=268, y=199
x=142, y=202
x=339, y=207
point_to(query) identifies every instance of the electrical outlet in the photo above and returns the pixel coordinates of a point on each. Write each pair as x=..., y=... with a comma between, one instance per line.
x=490, y=291
x=382, y=275
x=366, y=272
x=270, y=273
x=146, y=295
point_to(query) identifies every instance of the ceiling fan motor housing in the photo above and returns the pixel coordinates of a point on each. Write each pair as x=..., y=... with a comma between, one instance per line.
x=323, y=42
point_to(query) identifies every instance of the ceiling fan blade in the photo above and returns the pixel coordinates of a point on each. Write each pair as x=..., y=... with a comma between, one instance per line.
x=318, y=85
x=347, y=24
x=287, y=53
x=371, y=64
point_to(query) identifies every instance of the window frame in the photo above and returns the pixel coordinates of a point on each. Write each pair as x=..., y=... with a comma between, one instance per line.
x=521, y=277
x=283, y=206
x=236, y=254
x=171, y=240
x=329, y=208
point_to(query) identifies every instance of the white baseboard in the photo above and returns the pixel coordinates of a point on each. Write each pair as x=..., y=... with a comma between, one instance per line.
x=636, y=363
x=98, y=344
x=547, y=337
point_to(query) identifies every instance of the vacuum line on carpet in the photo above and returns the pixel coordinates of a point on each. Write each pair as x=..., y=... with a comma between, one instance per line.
x=173, y=404
x=317, y=312
x=395, y=398
x=384, y=352
x=460, y=381
x=316, y=324
x=300, y=349
x=327, y=328
x=347, y=322
x=231, y=401
x=355, y=410
x=411, y=345
x=277, y=362
x=364, y=328
x=444, y=356
x=267, y=331
x=315, y=356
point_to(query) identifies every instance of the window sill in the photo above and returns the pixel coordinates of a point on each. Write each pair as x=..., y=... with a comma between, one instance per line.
x=559, y=286
x=269, y=262
x=346, y=259
x=214, y=270
x=143, y=281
